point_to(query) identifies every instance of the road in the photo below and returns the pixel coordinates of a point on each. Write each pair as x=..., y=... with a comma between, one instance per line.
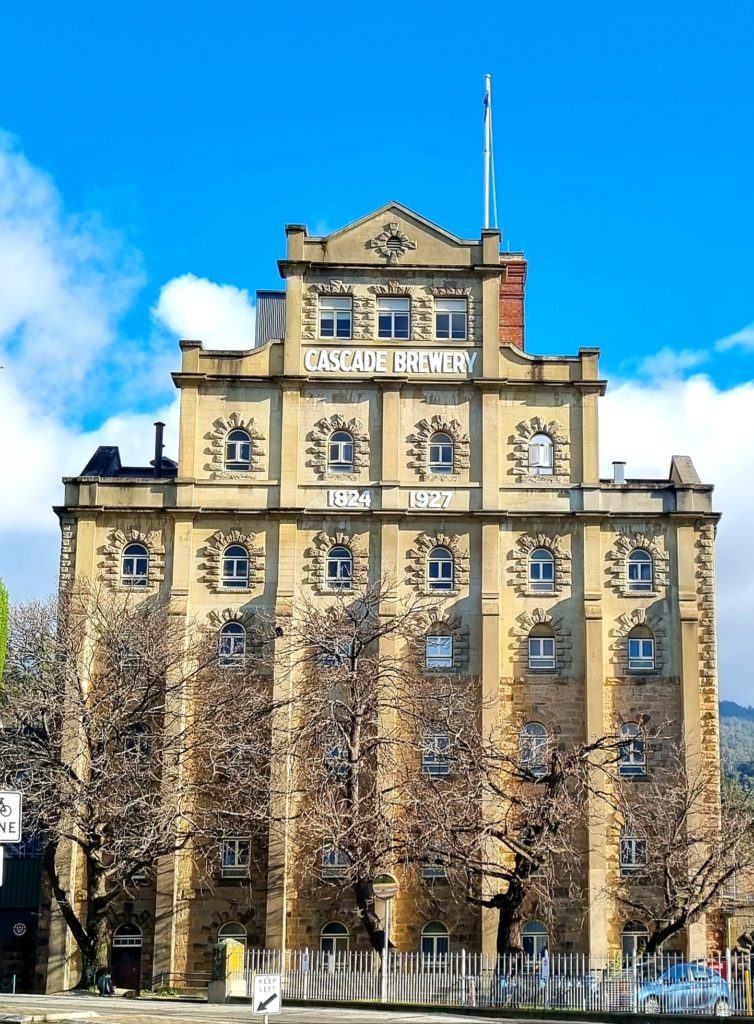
x=151, y=1011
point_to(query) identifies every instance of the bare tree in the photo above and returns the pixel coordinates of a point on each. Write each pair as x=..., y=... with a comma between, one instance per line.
x=364, y=710
x=509, y=824
x=681, y=841
x=115, y=720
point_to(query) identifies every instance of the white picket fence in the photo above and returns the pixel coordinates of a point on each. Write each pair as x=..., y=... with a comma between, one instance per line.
x=721, y=984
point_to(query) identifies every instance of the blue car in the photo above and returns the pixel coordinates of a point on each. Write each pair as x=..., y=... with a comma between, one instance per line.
x=686, y=988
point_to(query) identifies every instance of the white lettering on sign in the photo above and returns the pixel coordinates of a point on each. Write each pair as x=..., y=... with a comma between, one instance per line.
x=365, y=360
x=266, y=994
x=429, y=499
x=10, y=816
x=350, y=498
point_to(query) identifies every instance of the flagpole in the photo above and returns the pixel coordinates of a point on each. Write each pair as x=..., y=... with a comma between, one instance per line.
x=487, y=119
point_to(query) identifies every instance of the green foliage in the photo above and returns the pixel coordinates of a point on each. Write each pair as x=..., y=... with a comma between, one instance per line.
x=737, y=742
x=3, y=625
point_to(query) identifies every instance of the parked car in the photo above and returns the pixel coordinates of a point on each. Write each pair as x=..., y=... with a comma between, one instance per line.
x=685, y=988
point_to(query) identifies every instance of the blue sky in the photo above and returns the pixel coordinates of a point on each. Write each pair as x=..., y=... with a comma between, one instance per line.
x=150, y=141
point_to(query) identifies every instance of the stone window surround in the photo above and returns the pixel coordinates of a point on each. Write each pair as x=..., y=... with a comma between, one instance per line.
x=527, y=543
x=445, y=624
x=519, y=441
x=627, y=540
x=217, y=435
x=563, y=643
x=418, y=555
x=212, y=553
x=113, y=556
x=418, y=449
x=316, y=556
x=621, y=632
x=319, y=438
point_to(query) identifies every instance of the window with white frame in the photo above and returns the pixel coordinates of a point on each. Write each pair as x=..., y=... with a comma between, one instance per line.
x=633, y=852
x=336, y=751
x=451, y=317
x=541, y=455
x=632, y=753
x=533, y=743
x=235, y=567
x=335, y=316
x=440, y=569
x=438, y=651
x=435, y=940
x=639, y=570
x=233, y=930
x=333, y=939
x=541, y=570
x=633, y=939
x=542, y=648
x=340, y=452
x=135, y=566
x=339, y=568
x=235, y=857
x=231, y=645
x=334, y=651
x=238, y=451
x=641, y=649
x=533, y=939
x=433, y=870
x=393, y=317
x=435, y=749
x=334, y=861
x=441, y=453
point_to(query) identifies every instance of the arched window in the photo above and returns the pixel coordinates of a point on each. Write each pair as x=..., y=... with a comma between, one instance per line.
x=233, y=930
x=441, y=453
x=435, y=939
x=639, y=570
x=532, y=747
x=127, y=935
x=641, y=649
x=540, y=455
x=340, y=452
x=633, y=939
x=333, y=938
x=438, y=651
x=541, y=570
x=533, y=938
x=440, y=569
x=542, y=648
x=135, y=566
x=238, y=451
x=336, y=751
x=632, y=754
x=236, y=566
x=633, y=852
x=231, y=648
x=339, y=568
x=435, y=747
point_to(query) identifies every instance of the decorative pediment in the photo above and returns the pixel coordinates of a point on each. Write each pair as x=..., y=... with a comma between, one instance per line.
x=391, y=243
x=334, y=287
x=418, y=555
x=391, y=288
x=213, y=558
x=449, y=292
x=217, y=435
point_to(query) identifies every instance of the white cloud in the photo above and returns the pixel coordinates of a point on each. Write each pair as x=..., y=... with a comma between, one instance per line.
x=670, y=363
x=646, y=424
x=220, y=315
x=740, y=339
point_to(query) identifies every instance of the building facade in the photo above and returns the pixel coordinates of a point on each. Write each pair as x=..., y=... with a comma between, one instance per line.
x=389, y=422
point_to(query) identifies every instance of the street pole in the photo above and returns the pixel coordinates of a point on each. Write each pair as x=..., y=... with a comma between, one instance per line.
x=386, y=950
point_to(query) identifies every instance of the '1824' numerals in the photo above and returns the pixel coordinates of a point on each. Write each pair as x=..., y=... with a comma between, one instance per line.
x=350, y=498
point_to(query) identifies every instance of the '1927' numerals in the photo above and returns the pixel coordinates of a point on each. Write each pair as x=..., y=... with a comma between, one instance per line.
x=429, y=499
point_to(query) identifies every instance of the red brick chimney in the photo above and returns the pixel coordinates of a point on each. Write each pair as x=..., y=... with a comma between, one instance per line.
x=512, y=283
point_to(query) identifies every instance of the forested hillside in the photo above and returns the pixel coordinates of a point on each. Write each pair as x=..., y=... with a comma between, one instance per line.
x=737, y=741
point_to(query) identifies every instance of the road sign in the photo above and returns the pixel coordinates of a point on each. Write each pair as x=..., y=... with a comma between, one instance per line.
x=10, y=816
x=1, y=865
x=385, y=887
x=267, y=994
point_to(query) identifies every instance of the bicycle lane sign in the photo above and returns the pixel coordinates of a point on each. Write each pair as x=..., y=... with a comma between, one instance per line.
x=10, y=816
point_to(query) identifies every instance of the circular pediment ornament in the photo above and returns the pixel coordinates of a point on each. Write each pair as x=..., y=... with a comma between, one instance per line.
x=391, y=243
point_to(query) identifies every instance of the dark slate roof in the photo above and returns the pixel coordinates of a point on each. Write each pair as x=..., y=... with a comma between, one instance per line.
x=106, y=463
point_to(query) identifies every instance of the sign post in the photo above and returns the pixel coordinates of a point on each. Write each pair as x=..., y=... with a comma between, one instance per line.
x=385, y=888
x=10, y=821
x=267, y=995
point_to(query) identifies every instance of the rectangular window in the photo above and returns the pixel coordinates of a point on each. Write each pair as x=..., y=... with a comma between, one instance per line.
x=334, y=861
x=541, y=652
x=438, y=652
x=430, y=871
x=236, y=855
x=334, y=317
x=641, y=655
x=393, y=318
x=632, y=757
x=633, y=854
x=435, y=754
x=450, y=319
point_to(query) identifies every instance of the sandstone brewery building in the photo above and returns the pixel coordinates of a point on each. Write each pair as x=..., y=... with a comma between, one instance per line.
x=388, y=421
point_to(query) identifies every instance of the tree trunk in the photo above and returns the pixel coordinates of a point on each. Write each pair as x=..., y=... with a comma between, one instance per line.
x=660, y=935
x=508, y=905
x=364, y=894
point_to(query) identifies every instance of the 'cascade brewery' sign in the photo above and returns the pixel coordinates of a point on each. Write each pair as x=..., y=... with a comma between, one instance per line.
x=376, y=360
